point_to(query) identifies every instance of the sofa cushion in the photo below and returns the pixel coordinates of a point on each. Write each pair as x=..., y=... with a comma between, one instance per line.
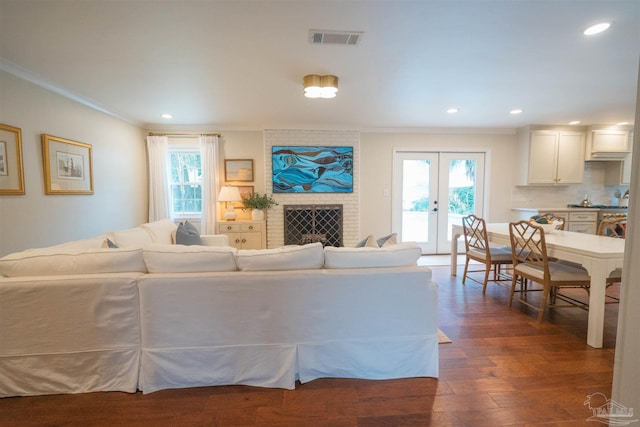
x=304, y=257
x=56, y=262
x=399, y=255
x=131, y=238
x=161, y=231
x=189, y=259
x=187, y=234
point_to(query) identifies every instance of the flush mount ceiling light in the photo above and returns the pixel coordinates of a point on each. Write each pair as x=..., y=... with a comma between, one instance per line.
x=452, y=110
x=597, y=28
x=167, y=116
x=575, y=122
x=516, y=111
x=316, y=86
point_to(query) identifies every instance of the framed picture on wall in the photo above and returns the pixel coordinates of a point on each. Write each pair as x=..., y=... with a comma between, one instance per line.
x=316, y=169
x=245, y=191
x=11, y=166
x=67, y=166
x=240, y=170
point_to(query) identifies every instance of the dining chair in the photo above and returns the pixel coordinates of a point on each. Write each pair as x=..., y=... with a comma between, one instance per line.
x=478, y=249
x=558, y=220
x=616, y=227
x=531, y=264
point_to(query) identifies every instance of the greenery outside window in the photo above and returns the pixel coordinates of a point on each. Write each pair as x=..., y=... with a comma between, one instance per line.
x=185, y=182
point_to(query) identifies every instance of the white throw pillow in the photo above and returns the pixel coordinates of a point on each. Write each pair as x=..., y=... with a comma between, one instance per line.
x=400, y=255
x=388, y=240
x=131, y=238
x=48, y=262
x=161, y=231
x=367, y=242
x=189, y=259
x=304, y=257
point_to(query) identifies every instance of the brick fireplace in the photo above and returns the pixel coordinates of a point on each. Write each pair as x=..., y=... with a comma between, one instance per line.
x=350, y=201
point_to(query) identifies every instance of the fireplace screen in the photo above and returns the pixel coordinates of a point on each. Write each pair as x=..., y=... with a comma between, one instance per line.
x=313, y=223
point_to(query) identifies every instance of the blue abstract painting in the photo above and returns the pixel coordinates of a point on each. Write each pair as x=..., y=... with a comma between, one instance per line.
x=298, y=169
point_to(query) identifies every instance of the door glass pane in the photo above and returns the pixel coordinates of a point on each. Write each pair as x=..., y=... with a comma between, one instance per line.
x=462, y=184
x=415, y=200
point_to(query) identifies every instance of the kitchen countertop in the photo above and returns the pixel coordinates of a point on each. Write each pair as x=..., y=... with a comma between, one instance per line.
x=568, y=208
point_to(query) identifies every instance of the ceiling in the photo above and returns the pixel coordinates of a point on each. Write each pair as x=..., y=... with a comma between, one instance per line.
x=239, y=64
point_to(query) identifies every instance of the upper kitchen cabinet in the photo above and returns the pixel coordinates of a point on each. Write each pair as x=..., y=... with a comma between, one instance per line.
x=550, y=156
x=607, y=143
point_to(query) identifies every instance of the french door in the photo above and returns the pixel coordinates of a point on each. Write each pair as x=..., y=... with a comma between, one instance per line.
x=431, y=192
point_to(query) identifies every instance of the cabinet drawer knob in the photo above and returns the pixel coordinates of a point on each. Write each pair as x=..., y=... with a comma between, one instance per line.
x=251, y=227
x=244, y=240
x=228, y=227
x=237, y=240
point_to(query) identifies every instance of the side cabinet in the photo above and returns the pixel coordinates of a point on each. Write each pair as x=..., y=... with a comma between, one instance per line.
x=244, y=234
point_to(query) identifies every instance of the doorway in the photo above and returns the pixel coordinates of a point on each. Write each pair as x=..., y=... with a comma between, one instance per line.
x=432, y=190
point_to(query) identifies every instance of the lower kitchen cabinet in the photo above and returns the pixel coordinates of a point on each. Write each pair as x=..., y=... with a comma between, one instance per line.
x=244, y=234
x=583, y=222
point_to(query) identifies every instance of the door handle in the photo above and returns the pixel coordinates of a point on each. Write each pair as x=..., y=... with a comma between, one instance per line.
x=434, y=210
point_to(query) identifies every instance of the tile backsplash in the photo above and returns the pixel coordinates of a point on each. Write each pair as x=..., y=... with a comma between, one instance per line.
x=560, y=196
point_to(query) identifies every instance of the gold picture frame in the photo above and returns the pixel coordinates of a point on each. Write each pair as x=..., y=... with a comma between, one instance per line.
x=240, y=170
x=67, y=166
x=11, y=166
x=245, y=191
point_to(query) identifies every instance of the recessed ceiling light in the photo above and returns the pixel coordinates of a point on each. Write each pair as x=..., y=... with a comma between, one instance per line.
x=452, y=110
x=597, y=28
x=516, y=111
x=167, y=116
x=575, y=122
x=623, y=123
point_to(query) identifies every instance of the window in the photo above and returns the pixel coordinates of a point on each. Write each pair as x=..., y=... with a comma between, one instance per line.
x=185, y=182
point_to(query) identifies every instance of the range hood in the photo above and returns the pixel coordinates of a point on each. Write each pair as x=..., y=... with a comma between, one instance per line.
x=607, y=143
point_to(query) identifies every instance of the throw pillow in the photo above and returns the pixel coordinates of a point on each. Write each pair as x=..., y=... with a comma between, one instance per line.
x=187, y=234
x=388, y=240
x=367, y=242
x=108, y=243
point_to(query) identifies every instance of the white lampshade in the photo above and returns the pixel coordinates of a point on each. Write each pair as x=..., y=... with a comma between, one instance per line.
x=229, y=194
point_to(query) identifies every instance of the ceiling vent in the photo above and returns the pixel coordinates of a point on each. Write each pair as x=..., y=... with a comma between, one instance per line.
x=350, y=38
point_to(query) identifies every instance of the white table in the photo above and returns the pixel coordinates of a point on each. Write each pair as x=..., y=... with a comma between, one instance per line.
x=600, y=255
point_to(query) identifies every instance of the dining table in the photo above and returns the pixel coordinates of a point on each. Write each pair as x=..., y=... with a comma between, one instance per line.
x=599, y=255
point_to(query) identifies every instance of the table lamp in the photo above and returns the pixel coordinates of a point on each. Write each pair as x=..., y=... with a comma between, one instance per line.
x=229, y=194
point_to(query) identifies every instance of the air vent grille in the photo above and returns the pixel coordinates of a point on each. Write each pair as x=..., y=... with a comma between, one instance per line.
x=349, y=38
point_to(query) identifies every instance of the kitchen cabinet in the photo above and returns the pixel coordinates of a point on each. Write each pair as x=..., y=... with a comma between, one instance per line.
x=551, y=157
x=244, y=234
x=607, y=144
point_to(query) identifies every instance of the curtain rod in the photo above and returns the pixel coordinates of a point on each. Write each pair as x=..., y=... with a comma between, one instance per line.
x=184, y=134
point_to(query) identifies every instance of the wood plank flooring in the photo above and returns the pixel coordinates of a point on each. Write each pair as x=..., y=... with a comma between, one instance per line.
x=502, y=369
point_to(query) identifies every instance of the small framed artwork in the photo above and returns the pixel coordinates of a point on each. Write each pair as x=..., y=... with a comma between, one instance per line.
x=67, y=166
x=11, y=166
x=238, y=170
x=245, y=191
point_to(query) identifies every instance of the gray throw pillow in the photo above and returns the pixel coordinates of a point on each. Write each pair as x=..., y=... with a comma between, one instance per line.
x=187, y=234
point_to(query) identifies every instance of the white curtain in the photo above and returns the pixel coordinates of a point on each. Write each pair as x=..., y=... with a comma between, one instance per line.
x=209, y=162
x=159, y=200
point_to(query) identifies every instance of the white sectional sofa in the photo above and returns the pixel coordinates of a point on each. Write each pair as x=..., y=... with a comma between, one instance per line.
x=150, y=315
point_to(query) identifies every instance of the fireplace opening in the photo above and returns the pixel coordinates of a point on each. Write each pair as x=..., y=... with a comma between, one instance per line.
x=313, y=223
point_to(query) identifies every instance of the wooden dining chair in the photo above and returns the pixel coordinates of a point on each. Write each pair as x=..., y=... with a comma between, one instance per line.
x=616, y=227
x=531, y=264
x=478, y=249
x=559, y=221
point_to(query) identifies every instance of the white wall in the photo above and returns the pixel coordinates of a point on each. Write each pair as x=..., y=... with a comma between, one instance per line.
x=119, y=170
x=376, y=162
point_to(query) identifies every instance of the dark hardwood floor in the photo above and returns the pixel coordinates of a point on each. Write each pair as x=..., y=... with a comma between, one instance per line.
x=502, y=369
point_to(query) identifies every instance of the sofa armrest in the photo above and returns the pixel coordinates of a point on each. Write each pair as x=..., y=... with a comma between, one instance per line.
x=215, y=240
